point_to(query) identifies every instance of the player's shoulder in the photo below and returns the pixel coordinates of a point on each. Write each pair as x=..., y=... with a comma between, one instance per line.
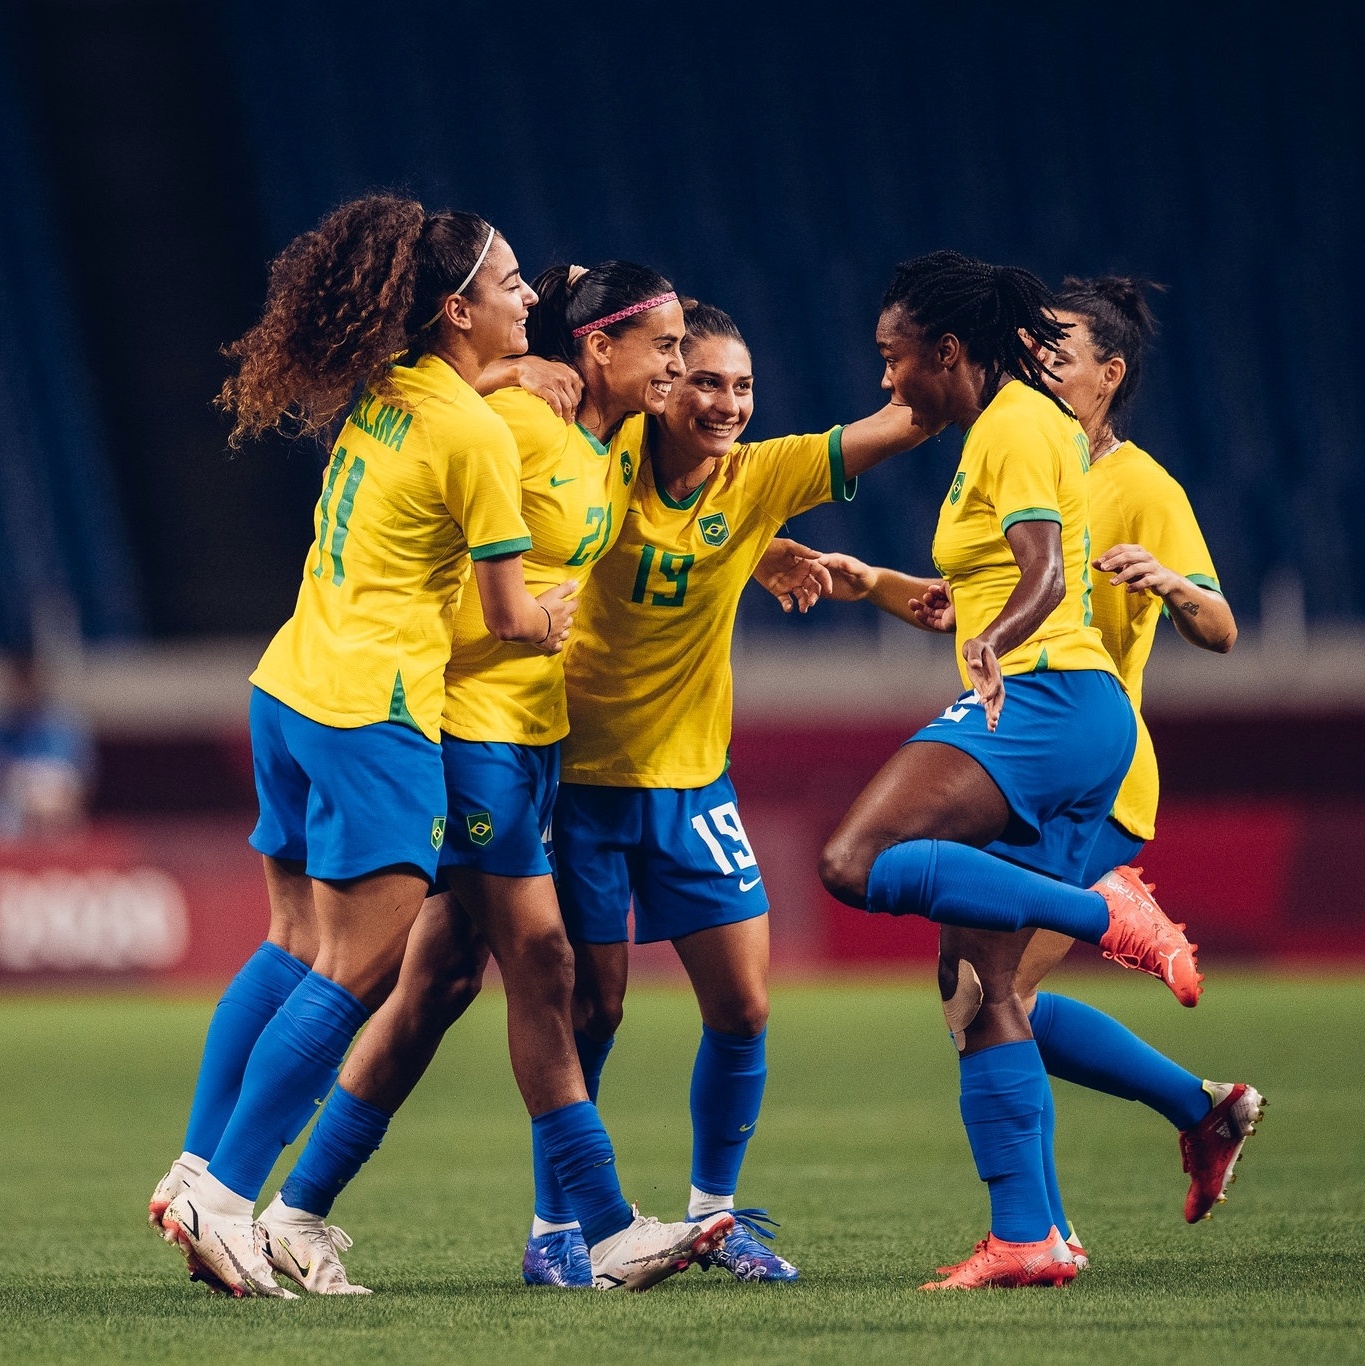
x=1137, y=473
x=531, y=420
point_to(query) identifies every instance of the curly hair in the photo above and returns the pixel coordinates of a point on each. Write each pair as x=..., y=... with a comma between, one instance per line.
x=342, y=301
x=985, y=307
x=596, y=293
x=1120, y=323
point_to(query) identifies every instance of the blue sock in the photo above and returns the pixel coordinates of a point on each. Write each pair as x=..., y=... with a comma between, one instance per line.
x=294, y=1062
x=727, y=1089
x=1081, y=1044
x=259, y=989
x=552, y=1202
x=1002, y=1106
x=1054, y=1189
x=586, y=1166
x=348, y=1132
x=955, y=884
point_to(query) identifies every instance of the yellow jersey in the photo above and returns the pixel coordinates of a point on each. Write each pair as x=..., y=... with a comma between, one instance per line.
x=648, y=664
x=1024, y=459
x=1134, y=501
x=574, y=492
x=423, y=476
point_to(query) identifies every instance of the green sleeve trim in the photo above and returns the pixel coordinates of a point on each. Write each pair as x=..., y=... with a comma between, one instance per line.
x=1204, y=581
x=488, y=552
x=1031, y=515
x=841, y=488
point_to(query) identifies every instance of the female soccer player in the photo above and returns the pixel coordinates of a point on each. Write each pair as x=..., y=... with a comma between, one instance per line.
x=646, y=811
x=1156, y=563
x=346, y=704
x=985, y=816
x=504, y=716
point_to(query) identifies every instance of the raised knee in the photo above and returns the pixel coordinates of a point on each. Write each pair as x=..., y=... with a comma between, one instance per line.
x=843, y=870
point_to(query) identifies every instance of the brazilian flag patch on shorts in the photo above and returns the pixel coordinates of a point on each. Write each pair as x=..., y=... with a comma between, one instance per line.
x=438, y=832
x=480, y=825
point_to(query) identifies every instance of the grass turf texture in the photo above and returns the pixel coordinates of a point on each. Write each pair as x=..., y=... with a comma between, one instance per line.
x=859, y=1153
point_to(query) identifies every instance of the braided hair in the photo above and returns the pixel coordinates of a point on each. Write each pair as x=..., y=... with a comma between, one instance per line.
x=342, y=301
x=1120, y=323
x=986, y=308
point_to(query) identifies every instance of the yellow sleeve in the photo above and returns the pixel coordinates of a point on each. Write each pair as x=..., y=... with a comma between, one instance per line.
x=1163, y=522
x=1023, y=477
x=480, y=482
x=798, y=473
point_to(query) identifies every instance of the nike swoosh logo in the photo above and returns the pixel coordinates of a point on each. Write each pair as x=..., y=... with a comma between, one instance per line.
x=194, y=1220
x=304, y=1267
x=556, y=482
x=744, y=1128
x=747, y=885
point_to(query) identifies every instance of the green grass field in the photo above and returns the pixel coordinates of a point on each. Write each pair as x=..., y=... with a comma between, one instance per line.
x=860, y=1155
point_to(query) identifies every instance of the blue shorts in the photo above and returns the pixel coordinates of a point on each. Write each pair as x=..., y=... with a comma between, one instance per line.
x=1063, y=746
x=1113, y=846
x=345, y=802
x=680, y=853
x=501, y=798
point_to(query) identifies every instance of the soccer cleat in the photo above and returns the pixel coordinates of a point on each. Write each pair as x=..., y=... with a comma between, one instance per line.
x=224, y=1252
x=299, y=1245
x=743, y=1256
x=646, y=1251
x=1009, y=1266
x=559, y=1258
x=1141, y=936
x=1079, y=1255
x=170, y=1185
x=1211, y=1150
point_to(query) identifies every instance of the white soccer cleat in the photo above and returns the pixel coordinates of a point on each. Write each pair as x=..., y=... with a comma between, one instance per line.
x=646, y=1251
x=299, y=1245
x=223, y=1252
x=176, y=1180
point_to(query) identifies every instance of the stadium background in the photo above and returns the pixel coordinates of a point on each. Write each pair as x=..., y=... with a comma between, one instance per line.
x=156, y=155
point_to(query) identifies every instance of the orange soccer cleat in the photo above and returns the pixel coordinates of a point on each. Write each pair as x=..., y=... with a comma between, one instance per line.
x=1010, y=1266
x=1213, y=1147
x=1142, y=936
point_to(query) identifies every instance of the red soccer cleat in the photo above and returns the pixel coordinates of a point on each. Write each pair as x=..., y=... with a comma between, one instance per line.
x=1009, y=1266
x=1213, y=1147
x=1141, y=935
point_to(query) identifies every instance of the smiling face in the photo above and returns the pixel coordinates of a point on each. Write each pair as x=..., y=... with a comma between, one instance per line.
x=639, y=367
x=711, y=405
x=497, y=302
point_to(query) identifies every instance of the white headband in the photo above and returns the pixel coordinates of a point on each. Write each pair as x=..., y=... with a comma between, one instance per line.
x=465, y=283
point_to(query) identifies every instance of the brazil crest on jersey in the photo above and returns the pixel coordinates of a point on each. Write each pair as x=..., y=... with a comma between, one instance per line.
x=574, y=493
x=648, y=663
x=1024, y=459
x=423, y=476
x=1133, y=501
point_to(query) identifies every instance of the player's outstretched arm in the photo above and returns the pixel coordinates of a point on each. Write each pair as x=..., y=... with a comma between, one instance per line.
x=512, y=614
x=1201, y=615
x=890, y=430
x=560, y=385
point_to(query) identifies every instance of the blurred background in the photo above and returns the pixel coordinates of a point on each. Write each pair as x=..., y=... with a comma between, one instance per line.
x=156, y=155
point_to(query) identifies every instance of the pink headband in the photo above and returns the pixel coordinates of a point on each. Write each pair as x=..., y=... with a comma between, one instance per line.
x=624, y=313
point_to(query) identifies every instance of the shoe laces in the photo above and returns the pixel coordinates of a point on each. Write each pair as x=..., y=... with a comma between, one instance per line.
x=756, y=1221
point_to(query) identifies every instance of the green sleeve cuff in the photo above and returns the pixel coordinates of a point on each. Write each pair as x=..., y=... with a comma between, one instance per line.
x=1031, y=515
x=1204, y=581
x=841, y=489
x=519, y=546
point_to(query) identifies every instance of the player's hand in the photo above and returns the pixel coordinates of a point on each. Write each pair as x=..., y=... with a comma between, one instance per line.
x=561, y=603
x=851, y=580
x=793, y=573
x=1136, y=569
x=983, y=672
x=560, y=385
x=934, y=611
